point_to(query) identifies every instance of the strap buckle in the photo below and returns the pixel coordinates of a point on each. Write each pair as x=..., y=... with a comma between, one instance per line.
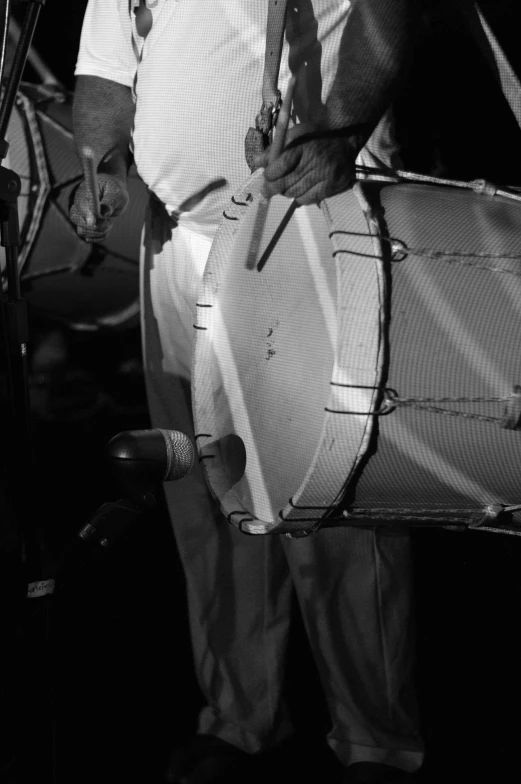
x=267, y=117
x=259, y=138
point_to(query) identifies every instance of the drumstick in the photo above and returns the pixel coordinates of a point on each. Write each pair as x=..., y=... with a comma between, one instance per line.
x=277, y=147
x=283, y=119
x=91, y=181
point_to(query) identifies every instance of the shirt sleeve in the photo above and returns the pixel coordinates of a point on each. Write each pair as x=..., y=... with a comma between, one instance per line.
x=106, y=48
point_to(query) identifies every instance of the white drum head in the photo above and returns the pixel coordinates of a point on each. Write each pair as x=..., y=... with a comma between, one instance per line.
x=271, y=379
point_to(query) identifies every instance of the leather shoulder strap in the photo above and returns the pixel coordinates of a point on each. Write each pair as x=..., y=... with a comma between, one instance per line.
x=274, y=40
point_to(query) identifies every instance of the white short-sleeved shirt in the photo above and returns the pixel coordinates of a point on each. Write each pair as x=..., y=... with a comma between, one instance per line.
x=197, y=80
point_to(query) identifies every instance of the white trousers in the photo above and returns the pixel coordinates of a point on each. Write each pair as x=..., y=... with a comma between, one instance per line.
x=353, y=585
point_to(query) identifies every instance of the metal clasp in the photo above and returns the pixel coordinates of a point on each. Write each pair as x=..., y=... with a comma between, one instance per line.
x=266, y=119
x=387, y=406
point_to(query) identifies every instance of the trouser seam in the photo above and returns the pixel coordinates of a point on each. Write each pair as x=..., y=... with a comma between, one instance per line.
x=381, y=623
x=267, y=653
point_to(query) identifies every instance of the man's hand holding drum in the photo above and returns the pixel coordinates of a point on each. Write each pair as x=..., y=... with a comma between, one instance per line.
x=313, y=166
x=374, y=53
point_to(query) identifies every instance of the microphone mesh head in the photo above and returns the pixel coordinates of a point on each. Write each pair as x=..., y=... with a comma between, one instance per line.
x=181, y=455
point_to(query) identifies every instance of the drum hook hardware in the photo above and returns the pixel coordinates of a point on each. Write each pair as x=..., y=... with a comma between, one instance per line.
x=387, y=406
x=301, y=533
x=266, y=119
x=275, y=109
x=494, y=514
x=242, y=203
x=240, y=523
x=489, y=515
x=315, y=524
x=511, y=419
x=260, y=137
x=399, y=250
x=483, y=187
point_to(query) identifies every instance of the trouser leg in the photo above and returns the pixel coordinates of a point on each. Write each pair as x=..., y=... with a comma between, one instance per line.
x=355, y=591
x=238, y=586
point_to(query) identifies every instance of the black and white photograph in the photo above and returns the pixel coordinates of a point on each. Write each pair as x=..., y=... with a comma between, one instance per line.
x=260, y=391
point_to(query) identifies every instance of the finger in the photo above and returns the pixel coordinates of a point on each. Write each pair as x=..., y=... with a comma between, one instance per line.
x=309, y=190
x=306, y=196
x=306, y=191
x=108, y=209
x=82, y=217
x=88, y=227
x=262, y=160
x=93, y=236
x=114, y=199
x=111, y=209
x=80, y=211
x=98, y=228
x=303, y=170
x=302, y=185
x=284, y=165
x=297, y=132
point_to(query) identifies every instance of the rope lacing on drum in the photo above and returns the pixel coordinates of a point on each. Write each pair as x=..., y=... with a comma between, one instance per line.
x=400, y=251
x=493, y=518
x=478, y=186
x=489, y=519
x=510, y=419
x=463, y=258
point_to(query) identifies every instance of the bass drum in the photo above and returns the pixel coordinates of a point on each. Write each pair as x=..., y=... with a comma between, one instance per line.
x=360, y=361
x=87, y=286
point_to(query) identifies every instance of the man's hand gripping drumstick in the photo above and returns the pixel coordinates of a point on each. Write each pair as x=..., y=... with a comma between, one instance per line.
x=98, y=199
x=281, y=128
x=276, y=148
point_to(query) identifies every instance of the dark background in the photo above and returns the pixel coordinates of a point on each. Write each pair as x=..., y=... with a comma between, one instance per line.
x=99, y=684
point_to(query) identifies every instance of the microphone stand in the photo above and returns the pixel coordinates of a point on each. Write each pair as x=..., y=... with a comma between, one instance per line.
x=30, y=650
x=14, y=322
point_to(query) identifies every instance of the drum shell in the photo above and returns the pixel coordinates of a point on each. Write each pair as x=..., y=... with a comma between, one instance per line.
x=443, y=319
x=453, y=334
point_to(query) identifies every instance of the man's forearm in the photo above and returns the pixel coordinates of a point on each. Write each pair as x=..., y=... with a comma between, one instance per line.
x=375, y=52
x=103, y=113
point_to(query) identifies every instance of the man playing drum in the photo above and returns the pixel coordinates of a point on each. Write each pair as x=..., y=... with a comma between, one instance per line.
x=178, y=83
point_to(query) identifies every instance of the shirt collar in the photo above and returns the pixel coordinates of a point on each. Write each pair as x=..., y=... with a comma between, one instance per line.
x=148, y=3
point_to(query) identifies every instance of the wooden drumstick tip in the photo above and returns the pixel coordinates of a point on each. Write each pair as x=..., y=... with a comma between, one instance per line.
x=276, y=149
x=281, y=128
x=91, y=179
x=283, y=119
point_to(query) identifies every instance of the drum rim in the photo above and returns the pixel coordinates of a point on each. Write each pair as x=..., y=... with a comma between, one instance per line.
x=41, y=186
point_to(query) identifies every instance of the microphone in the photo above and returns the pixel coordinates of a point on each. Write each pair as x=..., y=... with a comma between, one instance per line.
x=142, y=459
